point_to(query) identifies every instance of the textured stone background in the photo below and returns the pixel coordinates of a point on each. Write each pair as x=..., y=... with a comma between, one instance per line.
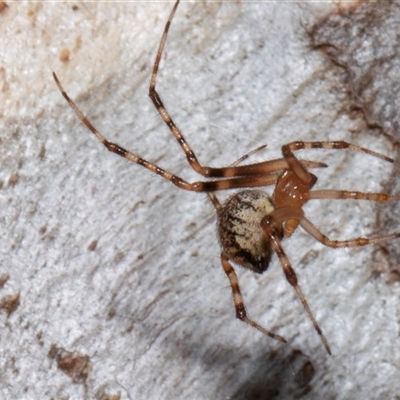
x=115, y=266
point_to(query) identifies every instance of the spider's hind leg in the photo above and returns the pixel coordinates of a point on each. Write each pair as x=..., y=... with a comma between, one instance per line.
x=238, y=300
x=290, y=274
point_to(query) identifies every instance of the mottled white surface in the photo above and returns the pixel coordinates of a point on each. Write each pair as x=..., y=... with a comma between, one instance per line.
x=151, y=305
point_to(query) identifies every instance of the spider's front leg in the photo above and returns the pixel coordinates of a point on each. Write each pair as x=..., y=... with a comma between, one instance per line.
x=301, y=171
x=163, y=112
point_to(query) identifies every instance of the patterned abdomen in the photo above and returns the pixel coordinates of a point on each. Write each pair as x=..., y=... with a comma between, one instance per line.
x=239, y=229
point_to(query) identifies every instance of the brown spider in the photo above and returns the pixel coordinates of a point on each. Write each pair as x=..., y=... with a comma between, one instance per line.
x=251, y=224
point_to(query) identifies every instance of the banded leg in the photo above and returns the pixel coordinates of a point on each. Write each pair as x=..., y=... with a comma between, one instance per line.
x=212, y=196
x=291, y=277
x=309, y=227
x=158, y=104
x=238, y=301
x=249, y=154
x=238, y=176
x=346, y=194
x=260, y=168
x=288, y=149
x=254, y=169
x=252, y=175
x=310, y=164
x=232, y=182
x=292, y=213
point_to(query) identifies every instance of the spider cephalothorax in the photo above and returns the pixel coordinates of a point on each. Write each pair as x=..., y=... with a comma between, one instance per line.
x=251, y=225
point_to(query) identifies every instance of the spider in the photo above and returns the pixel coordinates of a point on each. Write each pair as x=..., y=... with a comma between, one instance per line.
x=251, y=224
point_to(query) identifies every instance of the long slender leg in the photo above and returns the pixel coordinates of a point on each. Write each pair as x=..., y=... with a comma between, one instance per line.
x=252, y=175
x=155, y=98
x=288, y=213
x=115, y=148
x=249, y=154
x=230, y=183
x=292, y=278
x=238, y=301
x=346, y=194
x=233, y=182
x=254, y=169
x=288, y=149
x=260, y=168
x=309, y=227
x=212, y=196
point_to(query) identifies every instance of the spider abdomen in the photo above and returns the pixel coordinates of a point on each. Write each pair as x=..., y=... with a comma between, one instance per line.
x=242, y=239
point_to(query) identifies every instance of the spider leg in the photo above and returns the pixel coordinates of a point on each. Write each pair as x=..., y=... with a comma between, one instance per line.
x=309, y=227
x=164, y=114
x=115, y=148
x=260, y=168
x=242, y=175
x=290, y=274
x=310, y=164
x=238, y=300
x=345, y=194
x=216, y=203
x=265, y=173
x=212, y=196
x=268, y=178
x=288, y=149
x=210, y=172
x=249, y=154
x=207, y=186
